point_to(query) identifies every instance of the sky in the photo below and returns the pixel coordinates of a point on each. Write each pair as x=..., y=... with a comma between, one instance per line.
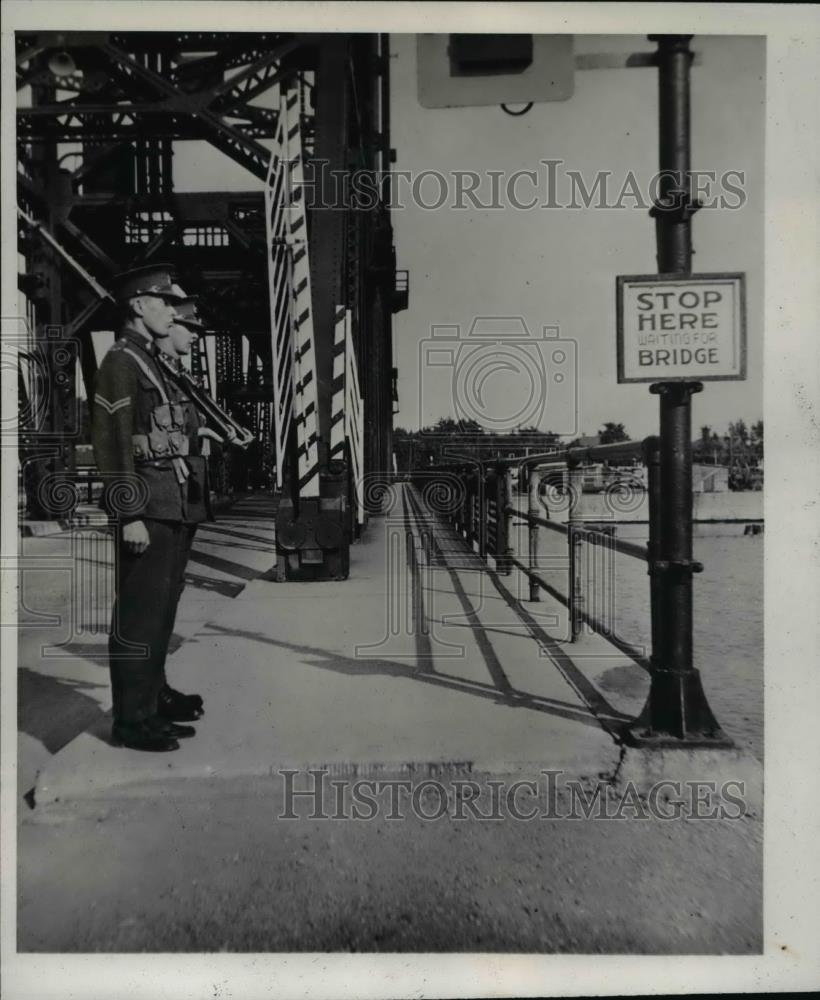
x=554, y=267
x=557, y=267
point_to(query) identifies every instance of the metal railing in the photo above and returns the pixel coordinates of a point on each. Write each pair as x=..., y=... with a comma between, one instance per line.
x=473, y=497
x=486, y=518
x=676, y=712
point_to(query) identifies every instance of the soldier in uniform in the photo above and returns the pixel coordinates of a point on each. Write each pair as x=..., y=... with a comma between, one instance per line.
x=187, y=326
x=141, y=447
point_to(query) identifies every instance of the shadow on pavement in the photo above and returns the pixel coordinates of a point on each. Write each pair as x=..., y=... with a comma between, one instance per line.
x=353, y=666
x=55, y=711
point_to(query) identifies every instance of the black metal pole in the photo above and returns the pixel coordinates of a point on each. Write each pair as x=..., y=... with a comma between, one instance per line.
x=674, y=208
x=677, y=712
x=652, y=460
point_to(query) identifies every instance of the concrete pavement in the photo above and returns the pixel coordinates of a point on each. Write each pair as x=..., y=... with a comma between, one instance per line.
x=424, y=658
x=417, y=661
x=424, y=664
x=66, y=592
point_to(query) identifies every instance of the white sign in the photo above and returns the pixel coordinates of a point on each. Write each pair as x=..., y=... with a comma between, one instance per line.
x=674, y=328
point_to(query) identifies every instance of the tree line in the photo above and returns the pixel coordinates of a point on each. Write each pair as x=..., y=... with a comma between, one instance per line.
x=740, y=447
x=448, y=440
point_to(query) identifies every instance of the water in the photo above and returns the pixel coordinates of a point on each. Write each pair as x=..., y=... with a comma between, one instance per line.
x=728, y=619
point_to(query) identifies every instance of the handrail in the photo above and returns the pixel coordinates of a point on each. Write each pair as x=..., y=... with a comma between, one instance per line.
x=593, y=531
x=564, y=454
x=618, y=544
x=489, y=485
x=598, y=452
x=635, y=652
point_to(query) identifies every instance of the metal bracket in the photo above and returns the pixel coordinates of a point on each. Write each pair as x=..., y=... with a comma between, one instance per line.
x=676, y=566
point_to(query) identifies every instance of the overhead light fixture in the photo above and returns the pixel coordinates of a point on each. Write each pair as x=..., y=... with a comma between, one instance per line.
x=61, y=64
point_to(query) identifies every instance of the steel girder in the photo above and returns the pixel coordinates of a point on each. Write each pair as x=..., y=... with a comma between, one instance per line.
x=134, y=91
x=136, y=101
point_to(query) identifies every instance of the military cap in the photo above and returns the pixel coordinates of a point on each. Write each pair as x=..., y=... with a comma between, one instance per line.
x=186, y=310
x=152, y=279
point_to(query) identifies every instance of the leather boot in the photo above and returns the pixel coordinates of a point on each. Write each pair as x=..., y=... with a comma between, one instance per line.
x=171, y=729
x=180, y=707
x=142, y=736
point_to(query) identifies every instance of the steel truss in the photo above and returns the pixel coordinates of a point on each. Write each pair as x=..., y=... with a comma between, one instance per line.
x=98, y=115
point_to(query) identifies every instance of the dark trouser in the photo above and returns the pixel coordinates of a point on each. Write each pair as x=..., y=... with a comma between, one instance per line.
x=147, y=591
x=188, y=532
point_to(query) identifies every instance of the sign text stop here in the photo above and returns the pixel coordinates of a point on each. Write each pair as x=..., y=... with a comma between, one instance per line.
x=674, y=327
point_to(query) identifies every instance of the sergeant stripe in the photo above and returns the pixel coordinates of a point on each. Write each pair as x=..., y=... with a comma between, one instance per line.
x=112, y=407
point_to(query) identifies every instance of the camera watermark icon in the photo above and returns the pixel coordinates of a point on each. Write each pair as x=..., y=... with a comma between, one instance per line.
x=122, y=495
x=44, y=369
x=610, y=493
x=500, y=375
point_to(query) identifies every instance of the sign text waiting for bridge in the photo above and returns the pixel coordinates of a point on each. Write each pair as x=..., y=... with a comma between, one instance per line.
x=674, y=328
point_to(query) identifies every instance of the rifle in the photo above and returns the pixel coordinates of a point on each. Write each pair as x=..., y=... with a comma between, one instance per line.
x=209, y=408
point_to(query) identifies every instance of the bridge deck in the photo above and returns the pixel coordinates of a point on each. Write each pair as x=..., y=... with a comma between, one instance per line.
x=422, y=658
x=423, y=663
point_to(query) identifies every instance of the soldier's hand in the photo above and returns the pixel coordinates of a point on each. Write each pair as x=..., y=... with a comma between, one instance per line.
x=135, y=536
x=207, y=432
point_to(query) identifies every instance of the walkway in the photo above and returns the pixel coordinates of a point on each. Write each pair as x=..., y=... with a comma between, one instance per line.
x=66, y=583
x=422, y=664
x=420, y=659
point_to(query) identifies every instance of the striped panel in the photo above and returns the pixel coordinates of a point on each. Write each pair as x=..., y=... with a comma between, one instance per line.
x=354, y=419
x=304, y=356
x=279, y=294
x=200, y=364
x=337, y=406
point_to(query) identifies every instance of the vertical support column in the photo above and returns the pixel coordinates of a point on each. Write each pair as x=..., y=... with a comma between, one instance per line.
x=490, y=530
x=675, y=206
x=280, y=290
x=467, y=507
x=675, y=537
x=472, y=500
x=677, y=712
x=54, y=452
x=532, y=540
x=482, y=477
x=471, y=495
x=575, y=539
x=652, y=459
x=327, y=217
x=505, y=483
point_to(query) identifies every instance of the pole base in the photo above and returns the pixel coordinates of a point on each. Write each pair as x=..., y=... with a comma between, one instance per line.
x=676, y=714
x=313, y=544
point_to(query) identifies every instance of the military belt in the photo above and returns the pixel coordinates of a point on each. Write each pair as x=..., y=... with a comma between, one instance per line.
x=180, y=466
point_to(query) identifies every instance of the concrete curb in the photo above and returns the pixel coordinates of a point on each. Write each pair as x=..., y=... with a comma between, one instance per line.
x=728, y=775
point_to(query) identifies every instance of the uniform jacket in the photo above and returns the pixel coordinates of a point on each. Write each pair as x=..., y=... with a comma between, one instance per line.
x=145, y=439
x=199, y=487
